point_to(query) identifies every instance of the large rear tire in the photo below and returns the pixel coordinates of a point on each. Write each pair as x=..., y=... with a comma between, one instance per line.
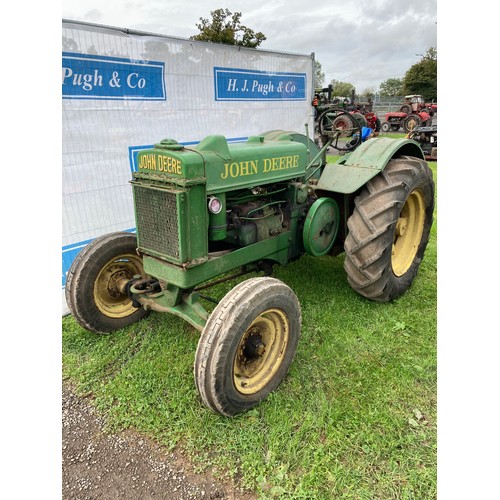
x=346, y=123
x=94, y=286
x=411, y=122
x=247, y=345
x=389, y=229
x=360, y=119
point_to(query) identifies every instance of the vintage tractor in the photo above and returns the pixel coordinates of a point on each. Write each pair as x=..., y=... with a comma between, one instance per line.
x=412, y=113
x=427, y=139
x=416, y=103
x=327, y=107
x=348, y=127
x=394, y=120
x=209, y=213
x=372, y=120
x=363, y=111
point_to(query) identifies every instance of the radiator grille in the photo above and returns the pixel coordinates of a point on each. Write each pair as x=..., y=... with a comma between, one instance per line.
x=157, y=221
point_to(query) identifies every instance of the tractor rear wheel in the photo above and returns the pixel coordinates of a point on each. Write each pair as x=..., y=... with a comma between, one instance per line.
x=411, y=122
x=389, y=229
x=95, y=284
x=247, y=345
x=346, y=123
x=360, y=118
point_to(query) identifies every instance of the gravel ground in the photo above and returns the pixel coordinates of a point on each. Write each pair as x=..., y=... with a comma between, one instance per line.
x=125, y=466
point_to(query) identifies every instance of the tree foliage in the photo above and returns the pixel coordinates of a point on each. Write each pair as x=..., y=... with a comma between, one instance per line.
x=391, y=87
x=319, y=75
x=226, y=27
x=368, y=93
x=342, y=88
x=421, y=78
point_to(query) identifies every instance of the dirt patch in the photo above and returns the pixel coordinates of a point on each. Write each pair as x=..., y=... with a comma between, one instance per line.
x=125, y=466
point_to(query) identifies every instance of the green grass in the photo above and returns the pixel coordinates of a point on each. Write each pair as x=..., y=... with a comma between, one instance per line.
x=354, y=418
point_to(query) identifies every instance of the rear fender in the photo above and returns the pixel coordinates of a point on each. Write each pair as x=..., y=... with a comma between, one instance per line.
x=355, y=169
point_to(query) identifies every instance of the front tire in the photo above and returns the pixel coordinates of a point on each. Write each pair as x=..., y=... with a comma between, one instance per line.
x=94, y=286
x=247, y=345
x=389, y=230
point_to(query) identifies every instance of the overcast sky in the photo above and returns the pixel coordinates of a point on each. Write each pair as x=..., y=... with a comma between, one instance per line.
x=363, y=42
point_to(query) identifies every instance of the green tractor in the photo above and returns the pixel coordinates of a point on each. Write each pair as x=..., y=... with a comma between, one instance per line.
x=215, y=211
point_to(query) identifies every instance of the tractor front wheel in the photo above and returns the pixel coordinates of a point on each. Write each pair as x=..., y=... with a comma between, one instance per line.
x=389, y=229
x=247, y=345
x=385, y=127
x=95, y=286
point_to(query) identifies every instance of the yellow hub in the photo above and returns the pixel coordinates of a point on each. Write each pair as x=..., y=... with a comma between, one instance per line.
x=409, y=230
x=412, y=123
x=260, y=351
x=109, y=287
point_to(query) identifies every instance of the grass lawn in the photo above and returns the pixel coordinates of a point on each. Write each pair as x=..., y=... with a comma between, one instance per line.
x=354, y=418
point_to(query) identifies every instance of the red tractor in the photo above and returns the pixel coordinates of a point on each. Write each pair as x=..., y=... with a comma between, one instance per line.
x=366, y=118
x=417, y=103
x=411, y=114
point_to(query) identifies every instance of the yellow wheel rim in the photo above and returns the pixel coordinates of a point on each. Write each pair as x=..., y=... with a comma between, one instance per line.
x=409, y=230
x=411, y=124
x=109, y=293
x=261, y=351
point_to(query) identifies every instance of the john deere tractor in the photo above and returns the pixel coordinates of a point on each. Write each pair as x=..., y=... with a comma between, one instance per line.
x=218, y=210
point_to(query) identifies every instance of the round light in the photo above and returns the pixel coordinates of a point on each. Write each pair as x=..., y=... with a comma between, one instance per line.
x=214, y=205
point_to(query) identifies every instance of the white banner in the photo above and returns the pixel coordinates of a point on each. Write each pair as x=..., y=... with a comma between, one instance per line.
x=125, y=91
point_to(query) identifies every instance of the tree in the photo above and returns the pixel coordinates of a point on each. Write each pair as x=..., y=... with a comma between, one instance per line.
x=319, y=76
x=421, y=78
x=368, y=93
x=225, y=27
x=391, y=87
x=343, y=89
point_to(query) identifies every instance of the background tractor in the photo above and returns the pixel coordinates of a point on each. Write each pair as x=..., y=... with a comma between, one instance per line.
x=394, y=120
x=412, y=113
x=217, y=211
x=348, y=127
x=327, y=107
x=427, y=139
x=416, y=103
x=363, y=111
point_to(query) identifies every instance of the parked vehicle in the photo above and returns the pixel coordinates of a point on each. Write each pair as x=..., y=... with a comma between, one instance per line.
x=427, y=138
x=416, y=103
x=328, y=107
x=394, y=120
x=205, y=212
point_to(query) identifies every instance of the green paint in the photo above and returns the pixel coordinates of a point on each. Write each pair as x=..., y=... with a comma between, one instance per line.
x=266, y=190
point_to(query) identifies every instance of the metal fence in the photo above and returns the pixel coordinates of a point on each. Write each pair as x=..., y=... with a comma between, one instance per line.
x=384, y=104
